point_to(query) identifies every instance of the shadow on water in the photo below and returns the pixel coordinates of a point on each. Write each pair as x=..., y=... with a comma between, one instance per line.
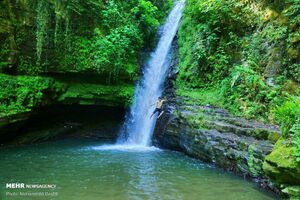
x=64, y=121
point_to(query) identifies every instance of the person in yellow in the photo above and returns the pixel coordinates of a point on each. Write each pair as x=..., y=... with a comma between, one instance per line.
x=159, y=107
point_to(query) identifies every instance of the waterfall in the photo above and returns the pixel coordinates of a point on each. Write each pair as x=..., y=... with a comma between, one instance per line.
x=138, y=127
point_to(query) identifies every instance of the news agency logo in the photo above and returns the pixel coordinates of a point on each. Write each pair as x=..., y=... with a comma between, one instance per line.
x=15, y=185
x=29, y=186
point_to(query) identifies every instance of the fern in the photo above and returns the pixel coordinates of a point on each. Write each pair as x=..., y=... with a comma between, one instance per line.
x=296, y=136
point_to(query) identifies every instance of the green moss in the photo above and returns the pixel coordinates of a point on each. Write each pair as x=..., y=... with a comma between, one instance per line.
x=197, y=120
x=20, y=94
x=274, y=136
x=296, y=139
x=203, y=96
x=282, y=155
x=264, y=134
x=292, y=191
x=251, y=163
x=261, y=134
x=281, y=165
x=90, y=94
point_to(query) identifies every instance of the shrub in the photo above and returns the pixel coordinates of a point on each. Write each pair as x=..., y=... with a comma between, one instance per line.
x=22, y=93
x=296, y=136
x=288, y=115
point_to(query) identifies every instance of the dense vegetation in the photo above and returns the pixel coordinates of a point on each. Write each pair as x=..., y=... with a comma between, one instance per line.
x=77, y=36
x=25, y=91
x=240, y=55
x=104, y=39
x=244, y=56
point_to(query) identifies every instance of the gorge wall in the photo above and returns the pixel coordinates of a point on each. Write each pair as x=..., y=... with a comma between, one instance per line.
x=86, y=53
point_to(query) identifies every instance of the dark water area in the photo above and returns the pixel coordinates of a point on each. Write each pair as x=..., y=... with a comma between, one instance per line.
x=60, y=121
x=81, y=169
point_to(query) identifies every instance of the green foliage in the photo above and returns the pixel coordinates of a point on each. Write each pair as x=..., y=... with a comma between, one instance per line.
x=251, y=161
x=288, y=115
x=27, y=67
x=294, y=71
x=106, y=95
x=292, y=12
x=111, y=54
x=231, y=48
x=274, y=32
x=296, y=136
x=248, y=90
x=117, y=49
x=42, y=20
x=112, y=16
x=102, y=37
x=146, y=12
x=209, y=39
x=113, y=47
x=22, y=93
x=4, y=51
x=213, y=95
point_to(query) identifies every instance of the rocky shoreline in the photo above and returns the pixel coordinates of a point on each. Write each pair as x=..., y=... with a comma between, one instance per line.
x=215, y=136
x=219, y=138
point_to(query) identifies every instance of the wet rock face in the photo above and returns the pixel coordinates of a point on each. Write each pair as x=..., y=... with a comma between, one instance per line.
x=248, y=148
x=217, y=137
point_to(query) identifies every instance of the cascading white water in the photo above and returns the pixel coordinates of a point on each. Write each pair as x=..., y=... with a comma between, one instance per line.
x=138, y=127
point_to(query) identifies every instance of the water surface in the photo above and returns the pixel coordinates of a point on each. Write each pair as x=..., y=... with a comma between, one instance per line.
x=81, y=169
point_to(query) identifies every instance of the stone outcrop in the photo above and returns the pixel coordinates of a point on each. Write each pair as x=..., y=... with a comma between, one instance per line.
x=26, y=95
x=282, y=167
x=248, y=148
x=215, y=136
x=97, y=94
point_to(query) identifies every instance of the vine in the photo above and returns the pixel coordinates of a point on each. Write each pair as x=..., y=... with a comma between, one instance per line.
x=41, y=26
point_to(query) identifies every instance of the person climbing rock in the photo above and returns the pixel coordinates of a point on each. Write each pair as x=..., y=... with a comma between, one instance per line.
x=159, y=107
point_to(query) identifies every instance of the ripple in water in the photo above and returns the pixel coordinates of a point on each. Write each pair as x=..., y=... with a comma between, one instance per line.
x=83, y=169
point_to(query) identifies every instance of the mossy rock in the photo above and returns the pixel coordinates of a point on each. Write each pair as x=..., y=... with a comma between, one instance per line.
x=293, y=53
x=274, y=136
x=261, y=134
x=269, y=14
x=281, y=165
x=98, y=94
x=292, y=191
x=253, y=163
x=21, y=94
